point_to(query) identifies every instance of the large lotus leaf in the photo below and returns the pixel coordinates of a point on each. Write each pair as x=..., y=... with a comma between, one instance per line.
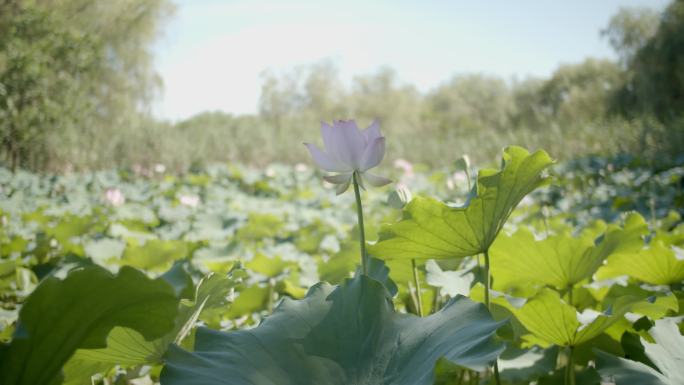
x=61, y=316
x=431, y=229
x=344, y=335
x=550, y=319
x=560, y=260
x=127, y=347
x=657, y=265
x=667, y=353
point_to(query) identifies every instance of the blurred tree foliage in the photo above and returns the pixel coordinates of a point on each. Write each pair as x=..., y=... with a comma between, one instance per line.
x=630, y=29
x=74, y=74
x=580, y=108
x=76, y=81
x=579, y=93
x=655, y=68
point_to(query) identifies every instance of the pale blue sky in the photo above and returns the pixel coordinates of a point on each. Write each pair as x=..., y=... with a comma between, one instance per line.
x=213, y=52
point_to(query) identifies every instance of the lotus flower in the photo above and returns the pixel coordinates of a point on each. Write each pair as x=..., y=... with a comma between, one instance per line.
x=405, y=166
x=349, y=150
x=115, y=197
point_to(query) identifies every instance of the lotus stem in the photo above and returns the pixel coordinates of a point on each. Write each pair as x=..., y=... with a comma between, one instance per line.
x=416, y=282
x=570, y=367
x=487, y=279
x=271, y=294
x=436, y=303
x=362, y=231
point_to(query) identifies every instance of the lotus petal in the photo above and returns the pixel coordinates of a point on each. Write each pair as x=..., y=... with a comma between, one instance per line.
x=376, y=180
x=372, y=132
x=338, y=179
x=373, y=154
x=324, y=161
x=341, y=188
x=347, y=143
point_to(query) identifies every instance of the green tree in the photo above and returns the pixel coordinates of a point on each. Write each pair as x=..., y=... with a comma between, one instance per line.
x=472, y=102
x=529, y=112
x=656, y=83
x=630, y=29
x=43, y=68
x=580, y=92
x=74, y=72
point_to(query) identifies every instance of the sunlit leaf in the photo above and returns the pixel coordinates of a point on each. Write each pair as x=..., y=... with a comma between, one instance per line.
x=560, y=260
x=657, y=265
x=431, y=229
x=549, y=318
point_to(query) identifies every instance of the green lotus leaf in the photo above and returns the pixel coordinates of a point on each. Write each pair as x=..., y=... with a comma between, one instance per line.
x=560, y=260
x=155, y=254
x=344, y=335
x=658, y=265
x=62, y=316
x=127, y=347
x=268, y=266
x=552, y=320
x=667, y=353
x=432, y=229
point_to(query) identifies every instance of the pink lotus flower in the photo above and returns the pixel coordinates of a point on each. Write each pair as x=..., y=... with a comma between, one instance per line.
x=349, y=150
x=115, y=197
x=405, y=166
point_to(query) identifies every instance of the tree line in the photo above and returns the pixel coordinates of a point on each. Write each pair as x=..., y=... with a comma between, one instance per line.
x=76, y=83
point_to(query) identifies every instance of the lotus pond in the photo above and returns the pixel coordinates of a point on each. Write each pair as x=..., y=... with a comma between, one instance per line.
x=528, y=272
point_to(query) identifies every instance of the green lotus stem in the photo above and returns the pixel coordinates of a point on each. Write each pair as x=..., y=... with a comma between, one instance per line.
x=544, y=212
x=416, y=282
x=570, y=295
x=496, y=372
x=362, y=232
x=570, y=367
x=486, y=279
x=488, y=304
x=271, y=294
x=436, y=304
